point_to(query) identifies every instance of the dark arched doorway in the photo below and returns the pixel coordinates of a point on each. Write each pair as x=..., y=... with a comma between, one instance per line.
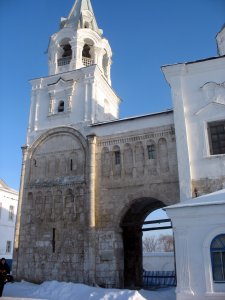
x=131, y=224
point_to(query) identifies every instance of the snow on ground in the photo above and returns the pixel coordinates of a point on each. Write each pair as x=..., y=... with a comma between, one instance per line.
x=54, y=290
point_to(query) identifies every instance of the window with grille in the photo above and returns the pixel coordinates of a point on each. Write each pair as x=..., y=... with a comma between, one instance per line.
x=117, y=158
x=218, y=258
x=216, y=131
x=11, y=213
x=8, y=247
x=151, y=151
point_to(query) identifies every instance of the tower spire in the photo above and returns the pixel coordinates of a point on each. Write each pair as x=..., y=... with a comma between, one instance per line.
x=81, y=16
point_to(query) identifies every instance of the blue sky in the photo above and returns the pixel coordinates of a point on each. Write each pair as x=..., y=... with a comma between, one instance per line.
x=144, y=35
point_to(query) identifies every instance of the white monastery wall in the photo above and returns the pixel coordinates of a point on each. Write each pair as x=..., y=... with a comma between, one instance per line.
x=158, y=261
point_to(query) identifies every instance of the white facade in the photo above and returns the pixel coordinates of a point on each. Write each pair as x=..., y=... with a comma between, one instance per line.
x=198, y=93
x=8, y=210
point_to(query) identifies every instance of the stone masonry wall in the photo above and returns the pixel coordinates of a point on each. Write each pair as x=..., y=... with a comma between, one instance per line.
x=130, y=166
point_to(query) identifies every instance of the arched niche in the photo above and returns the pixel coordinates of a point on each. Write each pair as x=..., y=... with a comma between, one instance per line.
x=105, y=162
x=116, y=161
x=128, y=161
x=139, y=158
x=163, y=155
x=58, y=147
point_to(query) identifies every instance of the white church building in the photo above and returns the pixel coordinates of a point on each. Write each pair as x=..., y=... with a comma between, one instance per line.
x=89, y=179
x=8, y=210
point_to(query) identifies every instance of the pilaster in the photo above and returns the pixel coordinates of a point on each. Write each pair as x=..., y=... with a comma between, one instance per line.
x=18, y=234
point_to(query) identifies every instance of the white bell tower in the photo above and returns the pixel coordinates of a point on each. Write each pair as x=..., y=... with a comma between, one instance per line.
x=220, y=38
x=79, y=43
x=78, y=88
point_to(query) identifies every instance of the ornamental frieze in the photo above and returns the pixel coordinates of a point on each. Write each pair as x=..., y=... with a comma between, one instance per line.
x=124, y=140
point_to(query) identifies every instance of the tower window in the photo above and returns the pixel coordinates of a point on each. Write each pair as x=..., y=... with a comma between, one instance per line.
x=67, y=50
x=216, y=132
x=86, y=51
x=151, y=151
x=65, y=54
x=218, y=258
x=61, y=106
x=117, y=158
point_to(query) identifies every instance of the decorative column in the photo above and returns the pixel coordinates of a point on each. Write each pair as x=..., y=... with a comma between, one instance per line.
x=109, y=70
x=77, y=47
x=98, y=56
x=89, y=100
x=32, y=111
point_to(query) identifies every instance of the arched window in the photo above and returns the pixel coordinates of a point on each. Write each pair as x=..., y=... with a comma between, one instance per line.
x=61, y=106
x=64, y=52
x=86, y=51
x=87, y=54
x=67, y=50
x=218, y=258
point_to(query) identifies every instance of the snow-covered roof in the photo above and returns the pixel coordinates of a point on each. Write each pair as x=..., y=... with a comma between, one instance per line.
x=5, y=187
x=215, y=198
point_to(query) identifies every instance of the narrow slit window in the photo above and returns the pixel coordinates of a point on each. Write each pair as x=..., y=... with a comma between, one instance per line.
x=53, y=240
x=71, y=165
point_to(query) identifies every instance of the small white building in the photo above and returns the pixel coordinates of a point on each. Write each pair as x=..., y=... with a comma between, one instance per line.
x=8, y=210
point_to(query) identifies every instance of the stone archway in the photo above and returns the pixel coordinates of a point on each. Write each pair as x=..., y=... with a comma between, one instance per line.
x=131, y=224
